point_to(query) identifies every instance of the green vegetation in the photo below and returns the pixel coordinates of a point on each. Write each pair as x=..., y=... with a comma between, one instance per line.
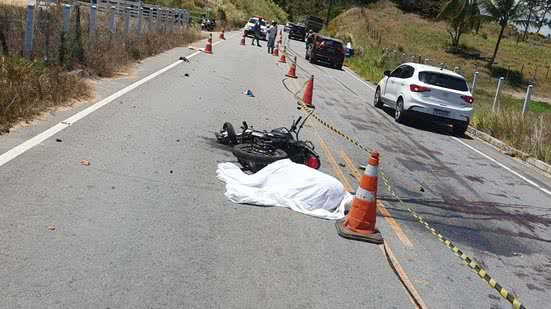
x=230, y=13
x=385, y=36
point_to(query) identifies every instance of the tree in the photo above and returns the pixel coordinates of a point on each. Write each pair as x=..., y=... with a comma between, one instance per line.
x=541, y=17
x=502, y=12
x=531, y=7
x=462, y=16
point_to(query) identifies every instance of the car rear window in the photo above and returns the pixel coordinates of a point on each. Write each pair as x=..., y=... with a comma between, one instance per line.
x=332, y=43
x=443, y=80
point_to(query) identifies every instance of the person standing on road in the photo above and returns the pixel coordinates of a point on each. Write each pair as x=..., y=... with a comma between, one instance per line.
x=272, y=34
x=256, y=33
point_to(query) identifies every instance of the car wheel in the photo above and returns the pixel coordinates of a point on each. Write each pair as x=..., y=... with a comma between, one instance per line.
x=459, y=128
x=312, y=60
x=399, y=112
x=377, y=102
x=306, y=56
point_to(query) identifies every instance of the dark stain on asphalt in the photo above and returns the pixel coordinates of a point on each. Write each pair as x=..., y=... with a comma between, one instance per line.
x=492, y=296
x=328, y=102
x=521, y=275
x=532, y=287
x=498, y=194
x=475, y=179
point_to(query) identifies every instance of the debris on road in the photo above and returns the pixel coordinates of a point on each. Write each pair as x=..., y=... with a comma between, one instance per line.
x=85, y=162
x=421, y=189
x=171, y=171
x=184, y=59
x=289, y=185
x=58, y=140
x=186, y=75
x=248, y=93
x=51, y=227
x=342, y=165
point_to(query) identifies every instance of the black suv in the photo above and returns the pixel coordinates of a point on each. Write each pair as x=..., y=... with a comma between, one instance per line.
x=326, y=50
x=297, y=32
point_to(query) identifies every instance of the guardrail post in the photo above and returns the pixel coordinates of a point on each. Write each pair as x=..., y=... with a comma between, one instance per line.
x=126, y=20
x=112, y=19
x=527, y=99
x=28, y=49
x=498, y=93
x=66, y=17
x=93, y=14
x=140, y=17
x=158, y=22
x=475, y=79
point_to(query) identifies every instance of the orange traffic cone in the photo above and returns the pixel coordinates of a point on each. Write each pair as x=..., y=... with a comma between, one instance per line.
x=222, y=35
x=208, y=48
x=283, y=58
x=292, y=70
x=243, y=40
x=309, y=92
x=359, y=224
x=276, y=51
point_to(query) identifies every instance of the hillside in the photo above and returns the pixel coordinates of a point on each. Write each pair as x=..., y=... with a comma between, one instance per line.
x=235, y=12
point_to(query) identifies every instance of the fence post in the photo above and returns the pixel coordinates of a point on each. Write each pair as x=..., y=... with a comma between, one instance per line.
x=521, y=70
x=28, y=49
x=66, y=17
x=47, y=38
x=547, y=74
x=475, y=79
x=527, y=99
x=140, y=17
x=112, y=19
x=413, y=59
x=126, y=20
x=159, y=19
x=498, y=93
x=92, y=29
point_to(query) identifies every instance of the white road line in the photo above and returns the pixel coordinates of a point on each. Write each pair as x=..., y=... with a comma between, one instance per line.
x=504, y=166
x=28, y=144
x=354, y=75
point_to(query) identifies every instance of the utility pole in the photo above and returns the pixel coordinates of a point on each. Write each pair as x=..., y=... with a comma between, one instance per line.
x=328, y=13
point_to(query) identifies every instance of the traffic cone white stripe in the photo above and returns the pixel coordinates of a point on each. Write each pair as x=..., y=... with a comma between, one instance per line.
x=365, y=195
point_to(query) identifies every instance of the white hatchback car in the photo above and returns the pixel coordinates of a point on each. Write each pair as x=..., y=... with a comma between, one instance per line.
x=424, y=90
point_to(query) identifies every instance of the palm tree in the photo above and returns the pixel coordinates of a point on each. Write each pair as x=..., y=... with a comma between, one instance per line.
x=503, y=12
x=462, y=15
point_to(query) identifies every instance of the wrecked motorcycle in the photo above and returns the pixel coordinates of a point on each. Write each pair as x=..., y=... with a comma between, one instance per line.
x=255, y=149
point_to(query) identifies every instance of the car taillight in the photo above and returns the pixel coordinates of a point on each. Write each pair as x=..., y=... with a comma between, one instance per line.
x=313, y=162
x=416, y=88
x=468, y=99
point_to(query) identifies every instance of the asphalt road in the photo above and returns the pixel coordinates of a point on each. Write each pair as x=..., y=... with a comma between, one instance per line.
x=146, y=224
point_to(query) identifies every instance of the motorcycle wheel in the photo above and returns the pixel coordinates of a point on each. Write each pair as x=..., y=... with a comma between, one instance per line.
x=256, y=158
x=231, y=132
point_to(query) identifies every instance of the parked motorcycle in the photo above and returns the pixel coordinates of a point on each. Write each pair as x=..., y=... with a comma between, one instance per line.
x=255, y=149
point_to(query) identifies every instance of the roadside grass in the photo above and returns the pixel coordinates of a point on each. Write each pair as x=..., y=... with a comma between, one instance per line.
x=412, y=35
x=29, y=87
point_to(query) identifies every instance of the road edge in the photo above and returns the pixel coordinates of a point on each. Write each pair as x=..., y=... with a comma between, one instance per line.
x=510, y=151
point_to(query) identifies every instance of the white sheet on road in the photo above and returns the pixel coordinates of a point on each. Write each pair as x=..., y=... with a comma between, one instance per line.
x=287, y=184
